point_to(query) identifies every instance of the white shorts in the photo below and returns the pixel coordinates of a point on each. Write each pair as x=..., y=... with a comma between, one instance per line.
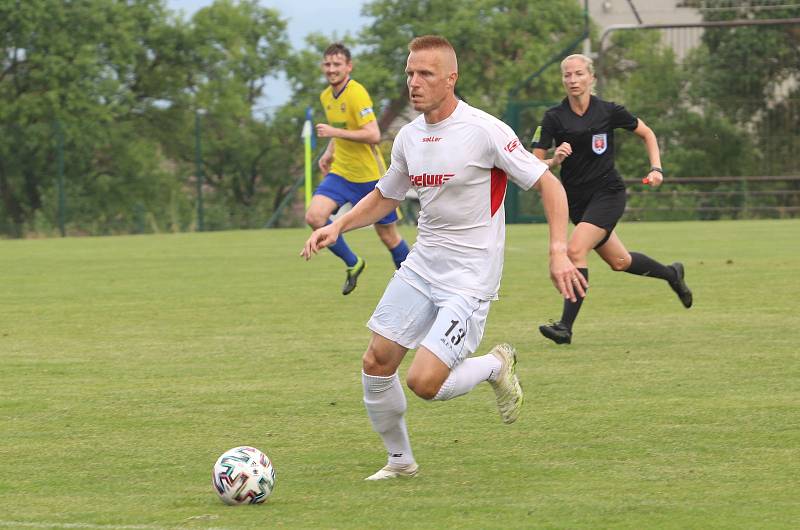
x=413, y=312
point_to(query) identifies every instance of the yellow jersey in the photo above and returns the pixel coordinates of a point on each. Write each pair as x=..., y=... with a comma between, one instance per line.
x=351, y=109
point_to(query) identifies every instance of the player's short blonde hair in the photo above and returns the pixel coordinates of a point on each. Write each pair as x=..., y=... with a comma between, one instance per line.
x=434, y=42
x=429, y=42
x=586, y=60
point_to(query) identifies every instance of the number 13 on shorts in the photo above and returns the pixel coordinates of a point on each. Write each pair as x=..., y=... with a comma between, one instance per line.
x=455, y=333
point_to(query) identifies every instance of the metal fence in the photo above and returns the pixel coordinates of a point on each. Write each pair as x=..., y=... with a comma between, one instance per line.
x=710, y=198
x=701, y=198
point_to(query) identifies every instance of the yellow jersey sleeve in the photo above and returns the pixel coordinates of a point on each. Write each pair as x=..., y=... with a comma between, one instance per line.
x=351, y=109
x=362, y=106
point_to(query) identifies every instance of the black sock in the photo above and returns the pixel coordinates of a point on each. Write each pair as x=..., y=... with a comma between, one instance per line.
x=642, y=265
x=570, y=312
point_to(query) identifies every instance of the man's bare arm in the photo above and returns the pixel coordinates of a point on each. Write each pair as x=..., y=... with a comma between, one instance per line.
x=369, y=133
x=563, y=273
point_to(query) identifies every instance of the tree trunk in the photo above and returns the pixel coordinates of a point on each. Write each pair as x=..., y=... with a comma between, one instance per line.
x=393, y=110
x=13, y=209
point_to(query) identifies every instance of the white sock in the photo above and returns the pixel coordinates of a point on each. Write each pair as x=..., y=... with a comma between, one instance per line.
x=386, y=407
x=467, y=375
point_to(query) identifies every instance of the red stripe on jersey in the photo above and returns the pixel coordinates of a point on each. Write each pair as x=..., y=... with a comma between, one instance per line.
x=499, y=180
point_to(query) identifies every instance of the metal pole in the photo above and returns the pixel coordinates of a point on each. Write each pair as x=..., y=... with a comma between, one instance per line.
x=62, y=203
x=587, y=44
x=635, y=12
x=198, y=160
x=306, y=135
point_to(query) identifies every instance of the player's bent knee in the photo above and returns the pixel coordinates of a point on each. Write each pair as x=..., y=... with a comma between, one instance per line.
x=426, y=388
x=315, y=220
x=372, y=364
x=392, y=241
x=620, y=264
x=389, y=235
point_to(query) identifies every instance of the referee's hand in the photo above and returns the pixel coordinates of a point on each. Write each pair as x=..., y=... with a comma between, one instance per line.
x=654, y=178
x=561, y=152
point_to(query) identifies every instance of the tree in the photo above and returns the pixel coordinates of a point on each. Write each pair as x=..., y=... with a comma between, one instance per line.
x=498, y=42
x=123, y=80
x=234, y=48
x=643, y=74
x=751, y=74
x=83, y=65
x=740, y=92
x=728, y=109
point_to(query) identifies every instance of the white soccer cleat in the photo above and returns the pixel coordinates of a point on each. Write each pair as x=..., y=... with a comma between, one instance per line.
x=506, y=386
x=395, y=471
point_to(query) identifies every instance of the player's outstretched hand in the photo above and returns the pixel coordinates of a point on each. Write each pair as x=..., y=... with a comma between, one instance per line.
x=567, y=278
x=320, y=238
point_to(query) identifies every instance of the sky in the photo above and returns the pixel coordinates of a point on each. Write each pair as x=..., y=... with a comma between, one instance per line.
x=304, y=17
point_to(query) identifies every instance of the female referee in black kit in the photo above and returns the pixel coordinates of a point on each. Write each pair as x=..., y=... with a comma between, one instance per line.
x=582, y=127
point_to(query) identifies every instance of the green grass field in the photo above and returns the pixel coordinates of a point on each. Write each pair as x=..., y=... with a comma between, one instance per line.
x=128, y=364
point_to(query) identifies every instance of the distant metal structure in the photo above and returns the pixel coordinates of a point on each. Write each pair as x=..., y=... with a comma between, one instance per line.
x=708, y=198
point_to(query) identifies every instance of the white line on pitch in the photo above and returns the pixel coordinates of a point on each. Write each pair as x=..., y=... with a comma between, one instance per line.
x=90, y=526
x=23, y=524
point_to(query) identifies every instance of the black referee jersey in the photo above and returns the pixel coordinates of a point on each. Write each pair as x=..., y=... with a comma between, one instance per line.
x=591, y=165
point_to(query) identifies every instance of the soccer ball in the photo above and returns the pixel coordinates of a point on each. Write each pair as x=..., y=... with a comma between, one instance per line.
x=243, y=475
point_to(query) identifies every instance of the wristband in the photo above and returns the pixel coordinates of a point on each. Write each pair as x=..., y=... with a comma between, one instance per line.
x=656, y=168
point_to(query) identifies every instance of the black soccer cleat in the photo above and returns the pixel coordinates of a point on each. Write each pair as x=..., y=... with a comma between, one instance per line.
x=679, y=285
x=352, y=276
x=557, y=332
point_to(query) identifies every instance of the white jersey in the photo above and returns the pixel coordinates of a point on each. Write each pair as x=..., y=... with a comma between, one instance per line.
x=459, y=168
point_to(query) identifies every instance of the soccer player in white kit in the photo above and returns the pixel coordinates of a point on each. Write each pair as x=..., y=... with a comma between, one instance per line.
x=458, y=159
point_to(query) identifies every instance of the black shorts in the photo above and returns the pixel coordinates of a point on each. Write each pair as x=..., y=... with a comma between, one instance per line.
x=602, y=208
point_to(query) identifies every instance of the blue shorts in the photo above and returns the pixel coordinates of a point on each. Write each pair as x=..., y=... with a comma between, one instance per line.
x=342, y=191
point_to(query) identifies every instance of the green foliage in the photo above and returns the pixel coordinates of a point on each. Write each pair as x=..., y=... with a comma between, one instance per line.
x=499, y=43
x=235, y=49
x=743, y=62
x=123, y=81
x=643, y=74
x=711, y=119
x=750, y=74
x=78, y=66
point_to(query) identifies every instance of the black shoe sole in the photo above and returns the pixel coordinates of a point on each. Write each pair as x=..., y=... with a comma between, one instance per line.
x=349, y=286
x=680, y=287
x=555, y=336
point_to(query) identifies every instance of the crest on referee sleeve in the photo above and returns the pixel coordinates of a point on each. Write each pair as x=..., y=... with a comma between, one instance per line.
x=599, y=143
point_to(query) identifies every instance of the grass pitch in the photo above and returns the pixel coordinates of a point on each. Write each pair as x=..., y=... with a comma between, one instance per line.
x=128, y=364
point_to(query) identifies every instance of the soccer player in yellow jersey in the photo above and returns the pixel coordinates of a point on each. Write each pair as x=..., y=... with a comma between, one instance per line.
x=352, y=163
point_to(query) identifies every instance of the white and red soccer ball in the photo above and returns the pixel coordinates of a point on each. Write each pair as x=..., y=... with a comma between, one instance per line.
x=243, y=475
